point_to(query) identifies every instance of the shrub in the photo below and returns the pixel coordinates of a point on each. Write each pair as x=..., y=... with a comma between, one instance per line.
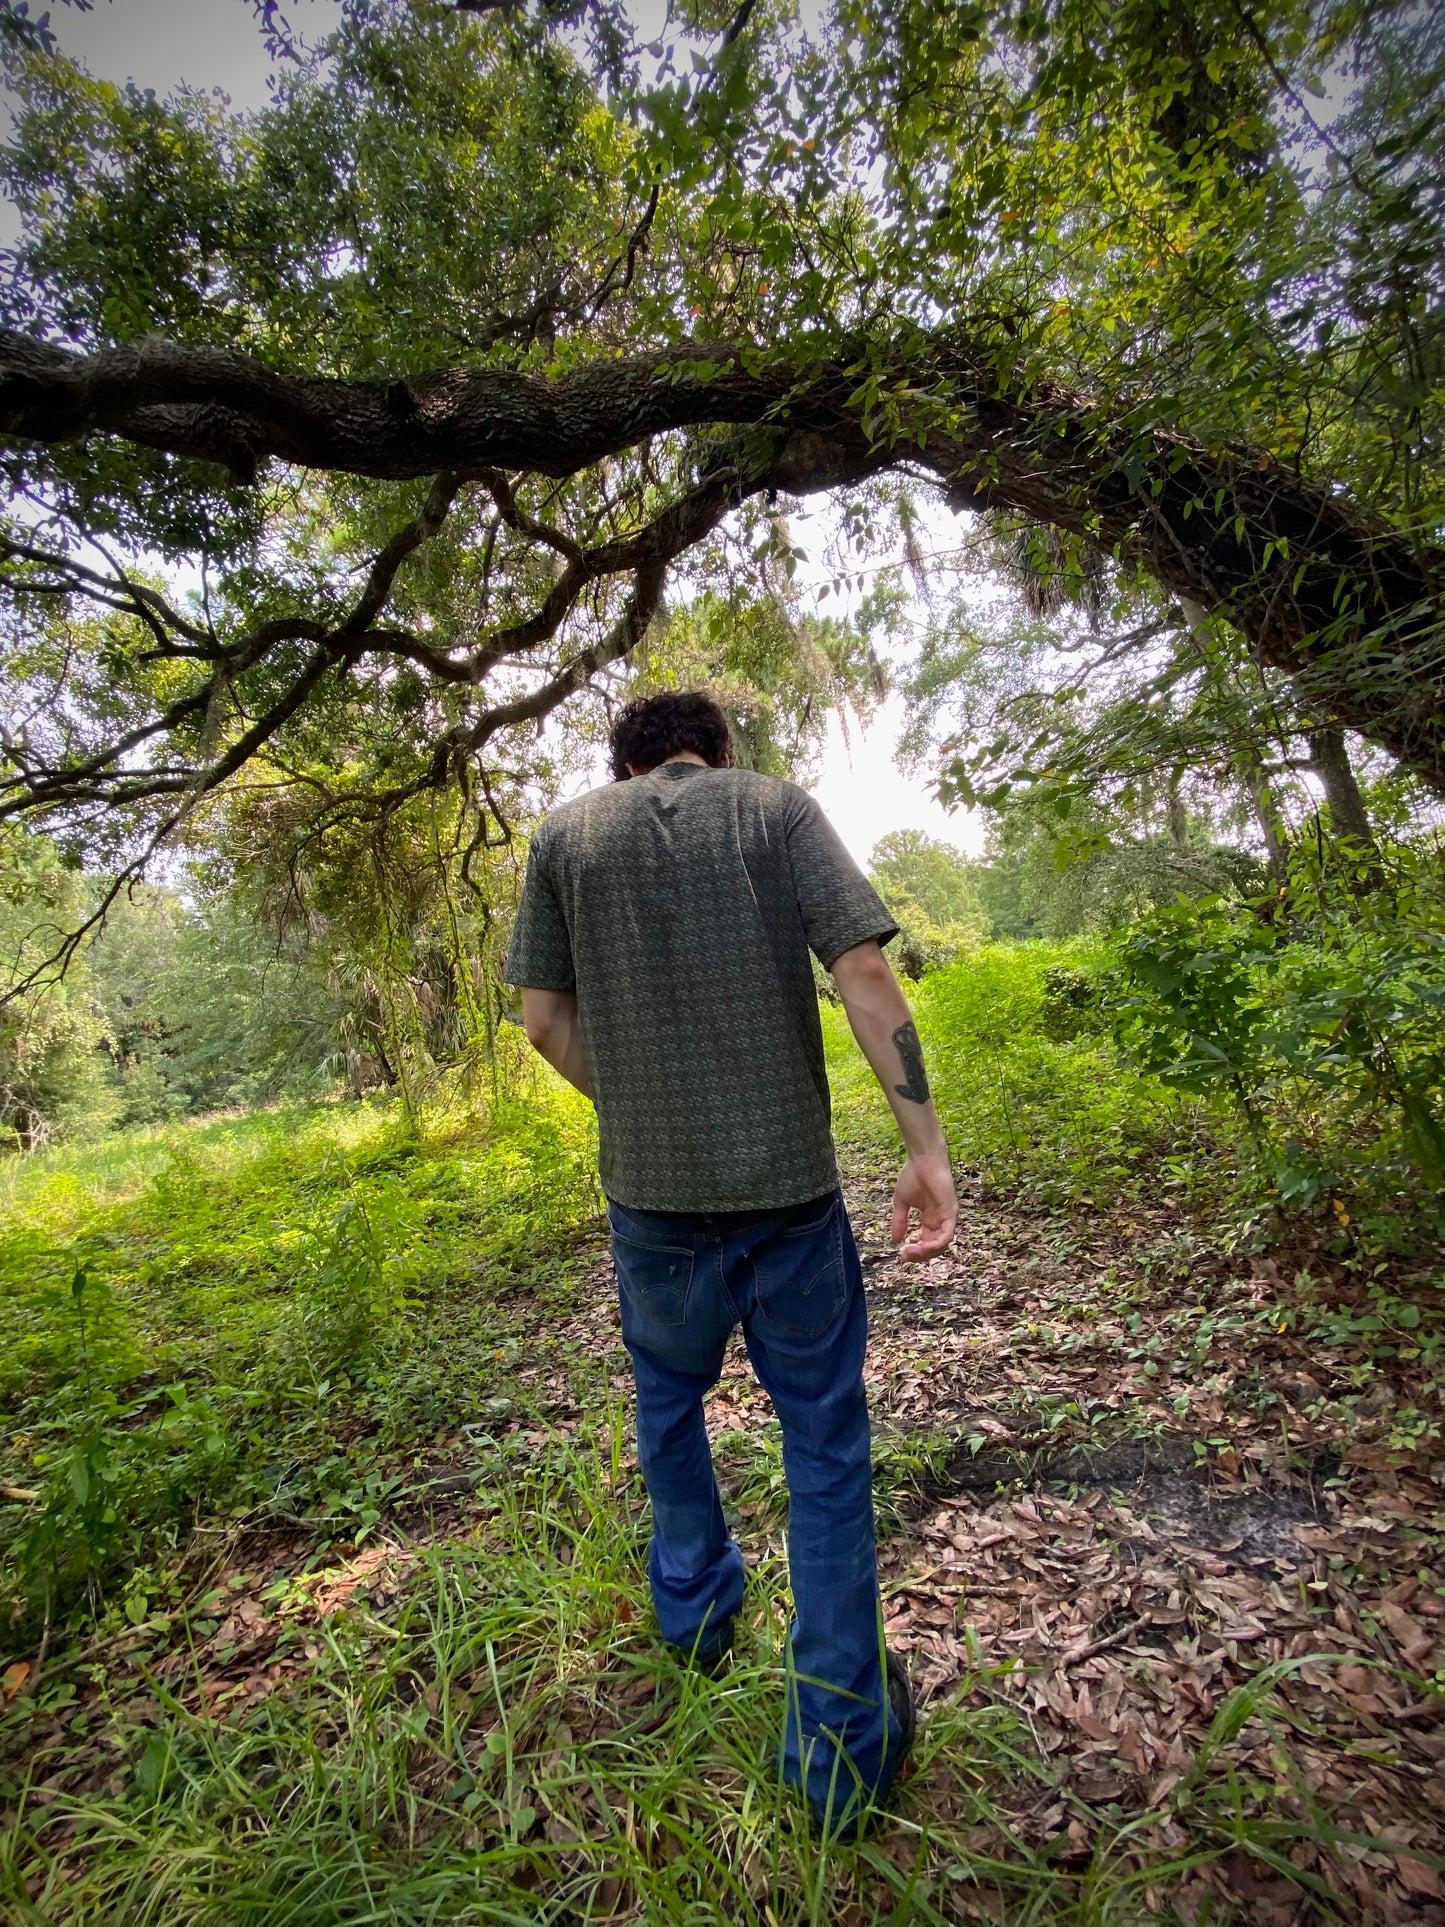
x=1329, y=1044
x=1031, y=1090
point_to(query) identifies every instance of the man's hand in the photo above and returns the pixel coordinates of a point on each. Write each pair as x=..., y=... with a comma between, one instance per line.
x=925, y=1185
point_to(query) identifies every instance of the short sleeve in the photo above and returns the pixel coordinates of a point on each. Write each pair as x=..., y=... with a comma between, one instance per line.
x=540, y=956
x=839, y=905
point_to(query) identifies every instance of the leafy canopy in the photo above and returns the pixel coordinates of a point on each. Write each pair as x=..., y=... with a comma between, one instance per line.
x=491, y=326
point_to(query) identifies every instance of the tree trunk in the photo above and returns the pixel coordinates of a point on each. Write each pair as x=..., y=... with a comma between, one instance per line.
x=1267, y=815
x=1330, y=761
x=1349, y=820
x=1178, y=815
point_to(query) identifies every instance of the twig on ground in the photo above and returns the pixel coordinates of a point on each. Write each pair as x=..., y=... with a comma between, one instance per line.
x=1088, y=1648
x=1424, y=1710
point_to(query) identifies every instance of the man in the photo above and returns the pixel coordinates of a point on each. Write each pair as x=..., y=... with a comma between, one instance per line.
x=662, y=953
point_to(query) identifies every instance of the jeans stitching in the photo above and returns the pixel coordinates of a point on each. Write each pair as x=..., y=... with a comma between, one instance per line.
x=637, y=1297
x=836, y=1264
x=726, y=1290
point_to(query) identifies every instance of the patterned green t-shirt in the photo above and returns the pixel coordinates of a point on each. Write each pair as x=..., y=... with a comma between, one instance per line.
x=681, y=906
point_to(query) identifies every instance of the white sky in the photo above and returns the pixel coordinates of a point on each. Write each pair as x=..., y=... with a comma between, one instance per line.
x=216, y=43
x=866, y=795
x=158, y=43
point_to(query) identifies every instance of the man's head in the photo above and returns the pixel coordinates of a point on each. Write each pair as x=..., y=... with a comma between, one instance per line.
x=654, y=728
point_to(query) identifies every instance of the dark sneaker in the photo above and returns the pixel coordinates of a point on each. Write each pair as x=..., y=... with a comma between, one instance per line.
x=710, y=1656
x=900, y=1698
x=856, y=1820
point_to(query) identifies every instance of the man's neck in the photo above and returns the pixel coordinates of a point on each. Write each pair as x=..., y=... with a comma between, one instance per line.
x=682, y=756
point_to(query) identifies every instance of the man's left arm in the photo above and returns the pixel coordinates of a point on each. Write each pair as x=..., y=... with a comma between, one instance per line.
x=555, y=1032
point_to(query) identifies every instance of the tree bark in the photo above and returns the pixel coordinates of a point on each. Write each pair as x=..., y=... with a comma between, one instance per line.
x=1350, y=608
x=1178, y=815
x=1349, y=819
x=1267, y=815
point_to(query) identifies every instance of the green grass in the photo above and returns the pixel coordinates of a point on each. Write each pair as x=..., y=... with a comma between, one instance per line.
x=239, y=1351
x=494, y=1735
x=270, y=1313
x=500, y=1739
x=508, y=1743
x=1030, y=1103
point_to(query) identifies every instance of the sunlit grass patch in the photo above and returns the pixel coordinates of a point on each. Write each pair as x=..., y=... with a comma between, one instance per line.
x=255, y=1312
x=63, y=1188
x=1034, y=1105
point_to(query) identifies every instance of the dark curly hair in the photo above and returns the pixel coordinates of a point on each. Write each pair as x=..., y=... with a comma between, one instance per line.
x=652, y=728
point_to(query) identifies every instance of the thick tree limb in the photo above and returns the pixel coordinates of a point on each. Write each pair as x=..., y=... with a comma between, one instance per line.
x=1351, y=608
x=222, y=406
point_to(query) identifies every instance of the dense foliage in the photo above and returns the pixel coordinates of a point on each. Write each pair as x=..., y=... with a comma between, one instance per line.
x=305, y=1328
x=189, y=1308
x=524, y=315
x=363, y=449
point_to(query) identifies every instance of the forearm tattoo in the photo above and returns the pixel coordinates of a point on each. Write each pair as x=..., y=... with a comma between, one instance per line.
x=910, y=1051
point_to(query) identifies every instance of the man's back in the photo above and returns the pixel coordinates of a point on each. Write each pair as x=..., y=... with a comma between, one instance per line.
x=681, y=907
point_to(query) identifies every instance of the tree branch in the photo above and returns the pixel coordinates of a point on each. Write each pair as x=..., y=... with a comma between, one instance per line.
x=619, y=276
x=443, y=492
x=116, y=592
x=619, y=641
x=223, y=406
x=1319, y=591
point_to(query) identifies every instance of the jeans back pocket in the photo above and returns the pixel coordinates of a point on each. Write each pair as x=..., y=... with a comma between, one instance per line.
x=656, y=1278
x=800, y=1277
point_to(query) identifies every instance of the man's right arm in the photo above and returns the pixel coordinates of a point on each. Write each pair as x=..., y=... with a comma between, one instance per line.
x=539, y=963
x=883, y=1024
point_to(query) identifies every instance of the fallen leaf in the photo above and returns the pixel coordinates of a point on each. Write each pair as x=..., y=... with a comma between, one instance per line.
x=1357, y=1683
x=1409, y=1635
x=1099, y=1788
x=1419, y=1878
x=13, y=1679
x=1164, y=1786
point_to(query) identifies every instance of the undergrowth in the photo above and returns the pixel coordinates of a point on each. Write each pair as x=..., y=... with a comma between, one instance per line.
x=262, y=1315
x=288, y=1329
x=1027, y=1098
x=487, y=1730
x=1264, y=1086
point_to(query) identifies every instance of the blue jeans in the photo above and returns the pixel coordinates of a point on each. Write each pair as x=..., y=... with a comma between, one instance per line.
x=792, y=1279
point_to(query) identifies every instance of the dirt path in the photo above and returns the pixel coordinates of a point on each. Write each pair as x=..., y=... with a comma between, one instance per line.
x=1142, y=1516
